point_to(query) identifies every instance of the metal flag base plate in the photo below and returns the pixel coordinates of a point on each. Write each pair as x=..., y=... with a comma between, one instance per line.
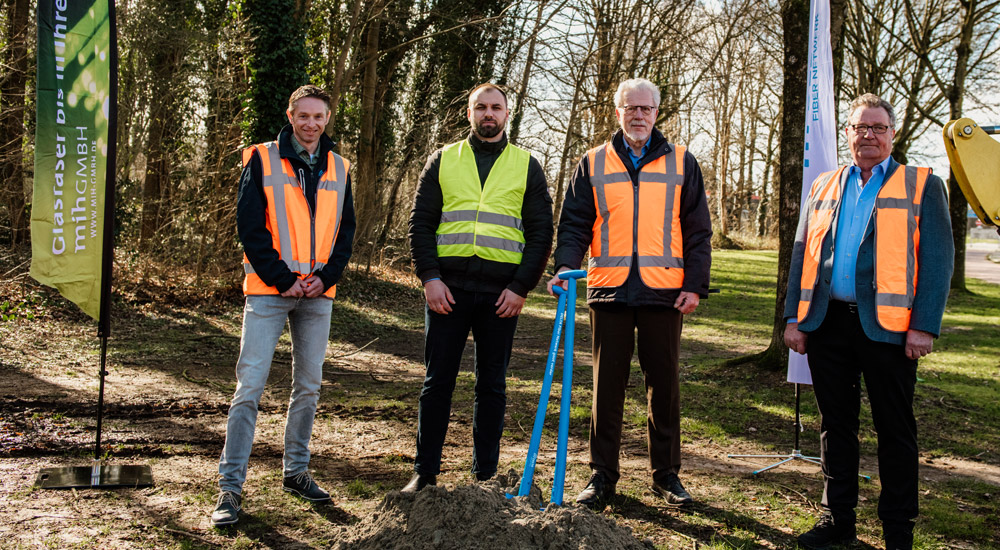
x=97, y=476
x=794, y=455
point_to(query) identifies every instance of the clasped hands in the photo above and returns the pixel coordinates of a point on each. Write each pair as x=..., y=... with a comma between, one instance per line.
x=310, y=287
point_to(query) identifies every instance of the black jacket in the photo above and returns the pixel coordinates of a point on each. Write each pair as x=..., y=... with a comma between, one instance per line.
x=576, y=226
x=251, y=218
x=474, y=273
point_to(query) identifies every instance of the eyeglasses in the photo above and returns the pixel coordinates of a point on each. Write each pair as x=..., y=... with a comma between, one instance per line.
x=644, y=109
x=862, y=129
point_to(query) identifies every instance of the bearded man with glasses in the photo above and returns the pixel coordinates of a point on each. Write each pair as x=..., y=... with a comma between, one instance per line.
x=637, y=204
x=869, y=277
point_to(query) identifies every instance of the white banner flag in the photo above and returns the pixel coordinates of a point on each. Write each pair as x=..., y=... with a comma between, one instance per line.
x=821, y=133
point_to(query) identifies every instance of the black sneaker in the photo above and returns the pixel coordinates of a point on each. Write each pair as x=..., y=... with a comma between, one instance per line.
x=302, y=485
x=670, y=488
x=598, y=492
x=828, y=532
x=227, y=510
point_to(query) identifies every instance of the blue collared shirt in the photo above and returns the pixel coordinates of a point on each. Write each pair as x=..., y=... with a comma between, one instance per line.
x=645, y=149
x=856, y=206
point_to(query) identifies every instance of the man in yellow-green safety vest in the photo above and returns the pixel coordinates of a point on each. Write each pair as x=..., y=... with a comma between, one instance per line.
x=480, y=235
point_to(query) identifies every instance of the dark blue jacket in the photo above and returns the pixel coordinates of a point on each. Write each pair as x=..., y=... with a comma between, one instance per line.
x=935, y=262
x=576, y=229
x=251, y=217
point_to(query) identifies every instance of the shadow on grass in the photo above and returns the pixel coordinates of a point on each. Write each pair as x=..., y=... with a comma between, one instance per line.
x=673, y=519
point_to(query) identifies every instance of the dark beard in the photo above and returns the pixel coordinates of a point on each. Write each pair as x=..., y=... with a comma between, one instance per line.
x=490, y=132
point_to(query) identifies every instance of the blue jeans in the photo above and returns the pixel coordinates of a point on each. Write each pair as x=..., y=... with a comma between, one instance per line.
x=263, y=322
x=444, y=341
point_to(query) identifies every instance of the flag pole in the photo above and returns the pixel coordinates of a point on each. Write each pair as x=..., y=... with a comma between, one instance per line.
x=108, y=249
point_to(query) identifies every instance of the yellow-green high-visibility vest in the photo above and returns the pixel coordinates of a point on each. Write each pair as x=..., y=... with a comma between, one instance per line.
x=482, y=220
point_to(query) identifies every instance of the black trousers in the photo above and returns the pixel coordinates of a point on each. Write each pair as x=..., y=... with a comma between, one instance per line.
x=839, y=355
x=659, y=332
x=444, y=342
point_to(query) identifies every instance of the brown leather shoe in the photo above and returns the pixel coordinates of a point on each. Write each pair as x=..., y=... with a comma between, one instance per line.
x=418, y=482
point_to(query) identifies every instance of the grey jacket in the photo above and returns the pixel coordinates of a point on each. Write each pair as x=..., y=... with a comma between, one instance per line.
x=935, y=262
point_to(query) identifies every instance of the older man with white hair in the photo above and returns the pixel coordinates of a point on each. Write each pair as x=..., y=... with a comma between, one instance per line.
x=638, y=204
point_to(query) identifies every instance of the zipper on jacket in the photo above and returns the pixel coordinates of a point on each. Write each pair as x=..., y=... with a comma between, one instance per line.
x=635, y=211
x=312, y=219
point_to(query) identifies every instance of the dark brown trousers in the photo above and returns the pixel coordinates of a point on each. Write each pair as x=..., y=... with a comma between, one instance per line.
x=614, y=329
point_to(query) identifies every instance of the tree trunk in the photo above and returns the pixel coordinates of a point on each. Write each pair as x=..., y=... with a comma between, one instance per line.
x=957, y=205
x=365, y=187
x=838, y=14
x=164, y=127
x=795, y=29
x=770, y=167
x=522, y=89
x=338, y=83
x=14, y=60
x=564, y=158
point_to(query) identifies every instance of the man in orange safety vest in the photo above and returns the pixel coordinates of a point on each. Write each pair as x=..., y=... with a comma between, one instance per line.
x=295, y=218
x=637, y=205
x=869, y=277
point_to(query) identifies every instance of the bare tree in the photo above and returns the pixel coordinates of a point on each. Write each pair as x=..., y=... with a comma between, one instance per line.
x=17, y=35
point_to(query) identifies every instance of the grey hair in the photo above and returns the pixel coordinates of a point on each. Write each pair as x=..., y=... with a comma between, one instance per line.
x=873, y=101
x=636, y=84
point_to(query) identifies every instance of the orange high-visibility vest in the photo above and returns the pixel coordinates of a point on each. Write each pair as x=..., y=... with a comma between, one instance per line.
x=642, y=220
x=304, y=240
x=897, y=242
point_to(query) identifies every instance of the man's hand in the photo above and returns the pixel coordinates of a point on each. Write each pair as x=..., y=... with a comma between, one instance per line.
x=313, y=286
x=439, y=297
x=509, y=304
x=795, y=339
x=557, y=281
x=686, y=302
x=297, y=290
x=918, y=343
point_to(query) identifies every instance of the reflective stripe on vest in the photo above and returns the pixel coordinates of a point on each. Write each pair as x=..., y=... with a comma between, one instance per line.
x=482, y=220
x=304, y=239
x=824, y=198
x=897, y=242
x=642, y=220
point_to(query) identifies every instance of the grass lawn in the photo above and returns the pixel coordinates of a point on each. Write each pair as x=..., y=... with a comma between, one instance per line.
x=172, y=376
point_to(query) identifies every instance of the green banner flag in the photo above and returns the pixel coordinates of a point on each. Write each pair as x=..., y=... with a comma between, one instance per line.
x=74, y=102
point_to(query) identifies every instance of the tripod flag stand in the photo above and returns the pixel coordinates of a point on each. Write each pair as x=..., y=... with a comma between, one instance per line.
x=796, y=453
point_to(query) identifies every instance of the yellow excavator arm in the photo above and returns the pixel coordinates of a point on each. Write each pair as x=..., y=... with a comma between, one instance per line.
x=975, y=162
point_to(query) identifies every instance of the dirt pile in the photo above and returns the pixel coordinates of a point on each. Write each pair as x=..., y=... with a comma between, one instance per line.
x=481, y=517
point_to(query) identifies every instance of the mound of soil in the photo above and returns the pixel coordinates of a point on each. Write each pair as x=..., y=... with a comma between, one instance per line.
x=481, y=517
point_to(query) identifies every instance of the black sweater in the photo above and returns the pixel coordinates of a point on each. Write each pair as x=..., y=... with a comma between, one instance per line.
x=251, y=218
x=474, y=273
x=576, y=229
